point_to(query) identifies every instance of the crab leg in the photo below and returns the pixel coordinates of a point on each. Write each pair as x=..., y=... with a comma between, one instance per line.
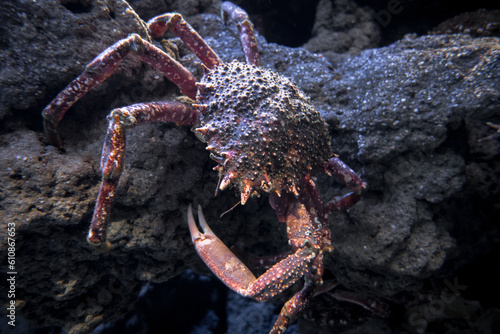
x=114, y=150
x=174, y=22
x=102, y=67
x=344, y=175
x=245, y=28
x=236, y=275
x=293, y=307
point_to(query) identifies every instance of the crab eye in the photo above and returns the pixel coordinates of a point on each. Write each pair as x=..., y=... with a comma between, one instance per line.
x=220, y=160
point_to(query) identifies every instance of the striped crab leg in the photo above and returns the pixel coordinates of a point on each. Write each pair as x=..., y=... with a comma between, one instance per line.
x=245, y=28
x=113, y=153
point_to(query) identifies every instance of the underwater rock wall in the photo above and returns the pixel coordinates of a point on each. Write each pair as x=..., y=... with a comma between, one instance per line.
x=410, y=118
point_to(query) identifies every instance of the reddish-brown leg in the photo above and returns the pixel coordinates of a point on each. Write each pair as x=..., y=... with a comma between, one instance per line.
x=306, y=224
x=103, y=66
x=344, y=175
x=293, y=307
x=174, y=22
x=113, y=153
x=245, y=28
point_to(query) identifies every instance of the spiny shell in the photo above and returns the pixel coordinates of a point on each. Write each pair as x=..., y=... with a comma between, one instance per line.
x=261, y=128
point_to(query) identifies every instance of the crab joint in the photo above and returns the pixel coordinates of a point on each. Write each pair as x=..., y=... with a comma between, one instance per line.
x=122, y=117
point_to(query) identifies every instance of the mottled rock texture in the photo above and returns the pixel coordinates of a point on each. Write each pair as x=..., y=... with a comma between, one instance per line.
x=342, y=29
x=406, y=117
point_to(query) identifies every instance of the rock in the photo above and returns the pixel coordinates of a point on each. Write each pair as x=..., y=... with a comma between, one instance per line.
x=66, y=37
x=406, y=117
x=50, y=195
x=342, y=29
x=480, y=23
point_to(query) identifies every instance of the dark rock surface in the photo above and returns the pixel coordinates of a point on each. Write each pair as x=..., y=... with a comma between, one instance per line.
x=408, y=118
x=480, y=23
x=342, y=29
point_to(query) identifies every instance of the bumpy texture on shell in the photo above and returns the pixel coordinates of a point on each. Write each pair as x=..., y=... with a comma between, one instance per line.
x=261, y=128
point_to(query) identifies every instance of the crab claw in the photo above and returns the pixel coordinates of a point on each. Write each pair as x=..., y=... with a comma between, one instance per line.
x=221, y=261
x=196, y=235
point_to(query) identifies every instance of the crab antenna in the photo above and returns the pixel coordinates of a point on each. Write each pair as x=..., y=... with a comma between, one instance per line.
x=232, y=208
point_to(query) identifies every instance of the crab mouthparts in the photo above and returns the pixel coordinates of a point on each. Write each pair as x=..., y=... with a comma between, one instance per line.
x=245, y=187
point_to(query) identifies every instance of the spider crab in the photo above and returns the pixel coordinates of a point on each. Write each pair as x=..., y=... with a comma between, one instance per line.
x=262, y=131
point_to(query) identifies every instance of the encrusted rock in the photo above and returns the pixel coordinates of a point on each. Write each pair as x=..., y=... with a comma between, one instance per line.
x=407, y=117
